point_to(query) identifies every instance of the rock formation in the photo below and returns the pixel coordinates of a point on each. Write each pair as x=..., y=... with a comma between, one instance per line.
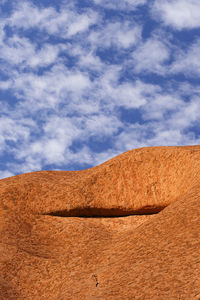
x=126, y=229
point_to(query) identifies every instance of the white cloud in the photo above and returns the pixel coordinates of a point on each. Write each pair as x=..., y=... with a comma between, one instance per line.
x=121, y=35
x=127, y=94
x=169, y=118
x=51, y=146
x=150, y=56
x=5, y=174
x=180, y=14
x=21, y=53
x=4, y=85
x=14, y=130
x=67, y=87
x=187, y=89
x=121, y=5
x=90, y=61
x=2, y=33
x=186, y=115
x=51, y=88
x=45, y=56
x=65, y=23
x=187, y=62
x=16, y=50
x=160, y=104
x=132, y=136
x=62, y=129
x=171, y=112
x=101, y=125
x=167, y=138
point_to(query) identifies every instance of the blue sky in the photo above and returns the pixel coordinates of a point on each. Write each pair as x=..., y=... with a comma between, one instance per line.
x=82, y=81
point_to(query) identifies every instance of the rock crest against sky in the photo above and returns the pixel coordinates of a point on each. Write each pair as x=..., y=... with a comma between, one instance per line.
x=83, y=81
x=63, y=236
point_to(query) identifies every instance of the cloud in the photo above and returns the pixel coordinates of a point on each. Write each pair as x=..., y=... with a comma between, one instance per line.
x=120, y=5
x=118, y=34
x=45, y=56
x=14, y=131
x=21, y=53
x=4, y=174
x=180, y=14
x=160, y=105
x=101, y=125
x=128, y=95
x=151, y=56
x=168, y=121
x=16, y=50
x=187, y=114
x=50, y=148
x=48, y=90
x=65, y=23
x=187, y=62
x=88, y=60
x=53, y=147
x=168, y=138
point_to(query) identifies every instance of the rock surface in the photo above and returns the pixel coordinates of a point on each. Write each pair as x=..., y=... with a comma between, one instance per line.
x=126, y=229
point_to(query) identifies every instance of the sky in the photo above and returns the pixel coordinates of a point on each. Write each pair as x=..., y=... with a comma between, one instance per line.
x=82, y=81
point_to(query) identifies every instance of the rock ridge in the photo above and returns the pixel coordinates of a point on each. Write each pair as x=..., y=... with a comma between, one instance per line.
x=139, y=181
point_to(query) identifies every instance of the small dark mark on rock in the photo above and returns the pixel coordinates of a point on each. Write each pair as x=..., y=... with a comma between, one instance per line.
x=96, y=279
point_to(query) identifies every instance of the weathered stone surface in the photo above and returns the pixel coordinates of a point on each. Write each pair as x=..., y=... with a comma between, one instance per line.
x=138, y=181
x=155, y=256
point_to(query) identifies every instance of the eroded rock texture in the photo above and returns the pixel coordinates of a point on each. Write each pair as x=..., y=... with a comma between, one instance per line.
x=126, y=229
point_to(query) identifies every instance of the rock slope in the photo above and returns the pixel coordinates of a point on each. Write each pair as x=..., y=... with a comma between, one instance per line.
x=126, y=229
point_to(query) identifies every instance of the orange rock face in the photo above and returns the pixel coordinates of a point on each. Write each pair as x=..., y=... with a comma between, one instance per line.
x=126, y=229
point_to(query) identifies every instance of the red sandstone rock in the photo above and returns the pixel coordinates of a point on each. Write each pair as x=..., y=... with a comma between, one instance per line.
x=46, y=256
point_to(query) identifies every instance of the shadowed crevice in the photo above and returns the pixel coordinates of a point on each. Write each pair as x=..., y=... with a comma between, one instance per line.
x=104, y=212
